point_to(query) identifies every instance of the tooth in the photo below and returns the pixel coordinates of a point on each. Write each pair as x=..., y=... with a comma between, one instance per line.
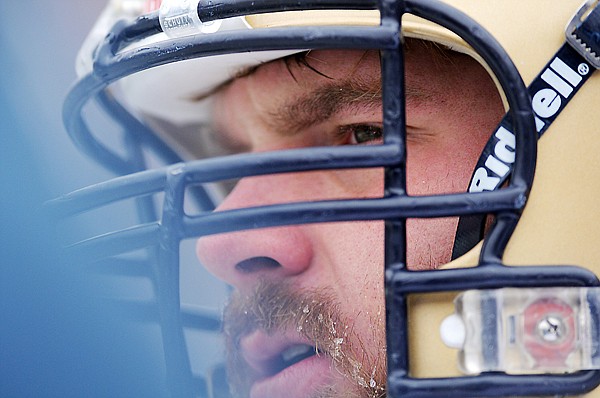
x=295, y=351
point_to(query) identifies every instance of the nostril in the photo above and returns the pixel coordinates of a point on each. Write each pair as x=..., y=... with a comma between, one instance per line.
x=255, y=264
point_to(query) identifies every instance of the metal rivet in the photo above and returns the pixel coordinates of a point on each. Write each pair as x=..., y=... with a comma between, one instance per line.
x=551, y=329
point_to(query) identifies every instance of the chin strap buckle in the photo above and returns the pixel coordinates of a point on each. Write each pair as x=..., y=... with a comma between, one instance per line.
x=583, y=32
x=525, y=331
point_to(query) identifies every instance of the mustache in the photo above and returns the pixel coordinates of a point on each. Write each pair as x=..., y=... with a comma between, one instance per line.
x=313, y=313
x=276, y=307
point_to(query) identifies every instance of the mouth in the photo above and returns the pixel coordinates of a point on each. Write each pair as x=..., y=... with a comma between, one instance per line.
x=284, y=365
x=291, y=356
x=270, y=355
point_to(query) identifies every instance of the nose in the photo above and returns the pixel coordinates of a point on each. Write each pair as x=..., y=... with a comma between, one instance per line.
x=240, y=258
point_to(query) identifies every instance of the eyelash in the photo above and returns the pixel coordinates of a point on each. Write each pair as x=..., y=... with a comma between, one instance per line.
x=358, y=134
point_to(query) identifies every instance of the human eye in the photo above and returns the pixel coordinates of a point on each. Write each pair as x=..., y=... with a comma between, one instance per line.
x=360, y=133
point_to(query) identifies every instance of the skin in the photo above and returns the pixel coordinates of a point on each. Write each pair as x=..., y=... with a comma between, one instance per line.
x=452, y=106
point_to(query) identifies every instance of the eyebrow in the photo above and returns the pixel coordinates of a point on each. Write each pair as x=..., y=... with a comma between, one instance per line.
x=326, y=101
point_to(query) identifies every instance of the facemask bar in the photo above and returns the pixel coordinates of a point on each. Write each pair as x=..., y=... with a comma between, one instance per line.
x=395, y=207
x=490, y=272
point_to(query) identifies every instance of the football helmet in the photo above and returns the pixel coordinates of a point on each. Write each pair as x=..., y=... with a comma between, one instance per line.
x=517, y=310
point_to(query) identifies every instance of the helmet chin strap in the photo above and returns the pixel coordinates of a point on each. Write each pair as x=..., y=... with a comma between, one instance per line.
x=550, y=93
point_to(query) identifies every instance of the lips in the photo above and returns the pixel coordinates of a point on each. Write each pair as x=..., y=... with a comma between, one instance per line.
x=295, y=354
x=271, y=354
x=286, y=365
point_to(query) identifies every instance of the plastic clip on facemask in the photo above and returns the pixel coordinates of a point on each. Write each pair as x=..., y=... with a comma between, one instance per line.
x=179, y=18
x=518, y=331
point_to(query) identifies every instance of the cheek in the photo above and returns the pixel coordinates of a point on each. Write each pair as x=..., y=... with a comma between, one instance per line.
x=435, y=168
x=430, y=172
x=367, y=183
x=429, y=242
x=444, y=166
x=356, y=250
x=438, y=178
x=355, y=253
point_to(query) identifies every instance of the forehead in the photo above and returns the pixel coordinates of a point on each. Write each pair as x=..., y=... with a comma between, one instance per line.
x=298, y=73
x=428, y=67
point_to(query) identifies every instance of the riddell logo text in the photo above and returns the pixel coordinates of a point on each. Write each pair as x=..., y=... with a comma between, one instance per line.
x=546, y=103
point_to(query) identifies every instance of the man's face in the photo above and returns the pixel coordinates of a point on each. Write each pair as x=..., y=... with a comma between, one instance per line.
x=307, y=315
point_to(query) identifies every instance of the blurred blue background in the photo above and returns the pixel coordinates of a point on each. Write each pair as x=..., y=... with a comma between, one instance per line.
x=56, y=339
x=39, y=42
